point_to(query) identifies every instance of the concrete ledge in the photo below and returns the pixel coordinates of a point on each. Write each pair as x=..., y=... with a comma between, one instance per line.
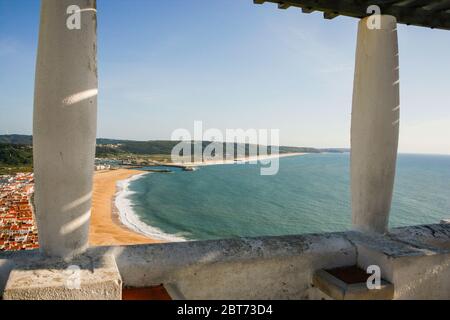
x=86, y=278
x=436, y=238
x=248, y=268
x=340, y=290
x=174, y=292
x=416, y=260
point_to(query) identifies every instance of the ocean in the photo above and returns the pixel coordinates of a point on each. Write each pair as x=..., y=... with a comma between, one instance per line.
x=310, y=194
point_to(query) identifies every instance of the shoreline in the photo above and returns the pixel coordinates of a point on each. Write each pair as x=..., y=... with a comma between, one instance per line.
x=128, y=217
x=113, y=222
x=234, y=161
x=106, y=227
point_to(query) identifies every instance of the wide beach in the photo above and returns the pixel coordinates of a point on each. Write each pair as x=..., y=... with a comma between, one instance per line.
x=106, y=228
x=246, y=159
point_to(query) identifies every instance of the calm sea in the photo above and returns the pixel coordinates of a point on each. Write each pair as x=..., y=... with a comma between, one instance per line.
x=310, y=193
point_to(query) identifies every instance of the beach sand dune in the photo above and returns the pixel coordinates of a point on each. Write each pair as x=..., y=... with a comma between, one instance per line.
x=106, y=228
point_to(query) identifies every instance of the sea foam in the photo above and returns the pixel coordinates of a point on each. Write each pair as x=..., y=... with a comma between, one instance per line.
x=129, y=217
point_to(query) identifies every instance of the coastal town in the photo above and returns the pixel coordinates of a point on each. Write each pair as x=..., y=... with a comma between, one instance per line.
x=18, y=229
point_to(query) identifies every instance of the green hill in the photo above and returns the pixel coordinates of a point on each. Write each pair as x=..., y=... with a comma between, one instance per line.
x=16, y=139
x=15, y=155
x=16, y=150
x=106, y=147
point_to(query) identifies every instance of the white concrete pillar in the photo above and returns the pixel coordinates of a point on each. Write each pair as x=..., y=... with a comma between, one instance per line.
x=375, y=125
x=65, y=121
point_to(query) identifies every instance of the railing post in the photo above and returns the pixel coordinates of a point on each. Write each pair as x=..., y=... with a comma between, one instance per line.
x=65, y=122
x=375, y=124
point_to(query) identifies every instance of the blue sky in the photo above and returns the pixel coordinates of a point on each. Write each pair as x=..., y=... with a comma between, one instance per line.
x=231, y=64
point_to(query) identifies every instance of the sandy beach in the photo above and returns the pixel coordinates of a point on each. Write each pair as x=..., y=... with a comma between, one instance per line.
x=237, y=160
x=106, y=228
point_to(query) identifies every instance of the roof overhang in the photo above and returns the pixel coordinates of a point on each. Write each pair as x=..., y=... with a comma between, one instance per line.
x=423, y=13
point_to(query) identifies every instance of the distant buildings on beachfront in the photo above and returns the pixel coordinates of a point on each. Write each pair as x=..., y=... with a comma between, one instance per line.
x=18, y=229
x=102, y=167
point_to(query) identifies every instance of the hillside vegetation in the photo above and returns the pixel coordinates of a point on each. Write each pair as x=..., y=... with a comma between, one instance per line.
x=106, y=148
x=16, y=150
x=15, y=158
x=15, y=155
